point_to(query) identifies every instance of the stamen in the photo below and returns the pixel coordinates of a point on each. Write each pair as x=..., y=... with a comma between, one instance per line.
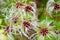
x=15, y=19
x=26, y=23
x=18, y=5
x=43, y=31
x=56, y=6
x=28, y=8
x=8, y=28
x=57, y=31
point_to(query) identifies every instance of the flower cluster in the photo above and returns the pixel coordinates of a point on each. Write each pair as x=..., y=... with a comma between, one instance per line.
x=19, y=19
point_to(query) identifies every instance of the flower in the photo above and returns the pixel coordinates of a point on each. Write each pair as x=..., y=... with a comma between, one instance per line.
x=57, y=31
x=15, y=19
x=26, y=23
x=53, y=8
x=8, y=28
x=28, y=8
x=18, y=5
x=43, y=31
x=56, y=6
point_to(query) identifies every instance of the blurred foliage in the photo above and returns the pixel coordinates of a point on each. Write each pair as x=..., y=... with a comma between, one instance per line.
x=41, y=3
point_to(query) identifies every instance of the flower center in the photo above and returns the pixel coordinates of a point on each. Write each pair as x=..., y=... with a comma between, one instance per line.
x=28, y=8
x=56, y=6
x=18, y=5
x=44, y=31
x=15, y=19
x=8, y=28
x=26, y=23
x=57, y=31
